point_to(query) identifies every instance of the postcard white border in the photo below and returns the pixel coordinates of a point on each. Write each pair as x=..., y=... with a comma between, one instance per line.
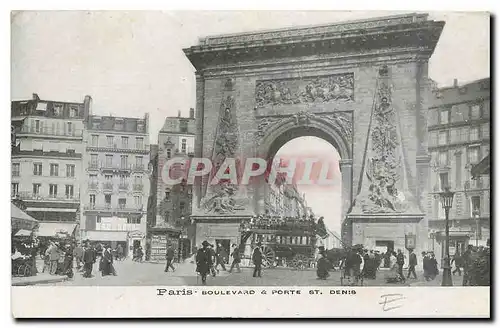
x=143, y=302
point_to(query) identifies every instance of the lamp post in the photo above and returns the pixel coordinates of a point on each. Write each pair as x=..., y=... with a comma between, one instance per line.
x=476, y=217
x=447, y=202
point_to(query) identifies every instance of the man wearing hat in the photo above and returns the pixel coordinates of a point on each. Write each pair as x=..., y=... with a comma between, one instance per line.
x=203, y=261
x=89, y=258
x=170, y=258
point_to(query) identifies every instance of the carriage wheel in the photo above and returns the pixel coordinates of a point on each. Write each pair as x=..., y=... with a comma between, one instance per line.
x=300, y=261
x=269, y=257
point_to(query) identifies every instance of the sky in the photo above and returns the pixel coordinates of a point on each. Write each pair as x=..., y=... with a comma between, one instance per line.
x=132, y=62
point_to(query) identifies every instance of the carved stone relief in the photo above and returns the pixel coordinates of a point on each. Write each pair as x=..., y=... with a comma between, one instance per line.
x=383, y=168
x=220, y=198
x=342, y=121
x=319, y=89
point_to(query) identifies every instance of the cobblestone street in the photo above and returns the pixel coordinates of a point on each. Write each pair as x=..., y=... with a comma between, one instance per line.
x=152, y=274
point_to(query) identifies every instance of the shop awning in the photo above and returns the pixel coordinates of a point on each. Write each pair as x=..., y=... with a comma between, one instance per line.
x=17, y=213
x=20, y=219
x=23, y=233
x=55, y=229
x=106, y=235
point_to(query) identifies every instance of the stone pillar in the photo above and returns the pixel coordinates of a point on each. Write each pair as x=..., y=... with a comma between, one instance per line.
x=346, y=171
x=198, y=146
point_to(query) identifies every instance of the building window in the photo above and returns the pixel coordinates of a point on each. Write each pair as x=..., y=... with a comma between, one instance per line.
x=183, y=125
x=70, y=127
x=134, y=220
x=92, y=201
x=122, y=203
x=54, y=170
x=69, y=191
x=475, y=202
x=107, y=201
x=124, y=161
x=443, y=137
x=182, y=207
x=98, y=219
x=36, y=189
x=183, y=145
x=139, y=143
x=16, y=169
x=125, y=142
x=109, y=160
x=93, y=159
x=485, y=133
x=138, y=161
x=475, y=112
x=37, y=126
x=167, y=194
x=37, y=169
x=14, y=191
x=57, y=109
x=95, y=140
x=110, y=141
x=169, y=153
x=53, y=190
x=474, y=134
x=473, y=153
x=138, y=201
x=443, y=158
x=444, y=116
x=70, y=170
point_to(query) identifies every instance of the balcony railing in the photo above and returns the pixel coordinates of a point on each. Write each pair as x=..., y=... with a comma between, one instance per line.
x=473, y=184
x=116, y=167
x=50, y=132
x=52, y=197
x=109, y=208
x=139, y=167
x=138, y=187
x=107, y=186
x=123, y=186
x=93, y=185
x=93, y=166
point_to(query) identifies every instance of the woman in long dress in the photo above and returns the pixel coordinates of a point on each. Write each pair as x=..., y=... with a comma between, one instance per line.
x=392, y=275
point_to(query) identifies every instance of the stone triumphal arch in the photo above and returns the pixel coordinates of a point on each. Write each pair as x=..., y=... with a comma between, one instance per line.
x=360, y=85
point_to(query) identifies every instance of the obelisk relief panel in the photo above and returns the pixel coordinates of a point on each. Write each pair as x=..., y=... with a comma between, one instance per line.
x=384, y=185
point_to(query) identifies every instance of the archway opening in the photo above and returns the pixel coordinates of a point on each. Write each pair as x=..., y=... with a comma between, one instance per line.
x=316, y=178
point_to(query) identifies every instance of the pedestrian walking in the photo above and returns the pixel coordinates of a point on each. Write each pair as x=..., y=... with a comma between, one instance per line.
x=236, y=259
x=53, y=254
x=78, y=255
x=89, y=258
x=457, y=260
x=68, y=262
x=107, y=267
x=257, y=261
x=213, y=258
x=400, y=260
x=412, y=263
x=170, y=258
x=433, y=266
x=119, y=252
x=203, y=262
x=221, y=256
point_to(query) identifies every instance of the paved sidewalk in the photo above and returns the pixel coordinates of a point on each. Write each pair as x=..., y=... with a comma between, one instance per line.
x=41, y=278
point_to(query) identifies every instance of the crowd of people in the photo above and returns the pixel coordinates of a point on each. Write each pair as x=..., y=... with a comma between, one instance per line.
x=208, y=259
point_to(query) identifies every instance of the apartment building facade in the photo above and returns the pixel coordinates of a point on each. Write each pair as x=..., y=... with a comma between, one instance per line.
x=116, y=189
x=172, y=224
x=46, y=161
x=459, y=138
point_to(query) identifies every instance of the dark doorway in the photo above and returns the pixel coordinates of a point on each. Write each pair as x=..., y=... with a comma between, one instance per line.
x=389, y=245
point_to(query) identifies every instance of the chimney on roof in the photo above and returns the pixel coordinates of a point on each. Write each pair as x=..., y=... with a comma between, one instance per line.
x=179, y=113
x=455, y=83
x=191, y=112
x=35, y=97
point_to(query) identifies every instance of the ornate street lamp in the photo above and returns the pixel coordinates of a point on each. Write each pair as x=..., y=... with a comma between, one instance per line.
x=447, y=202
